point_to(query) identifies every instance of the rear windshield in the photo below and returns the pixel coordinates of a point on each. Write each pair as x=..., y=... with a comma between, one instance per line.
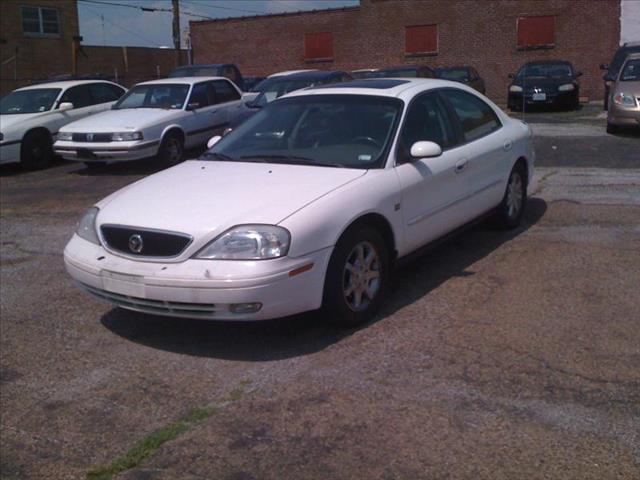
x=455, y=74
x=195, y=72
x=549, y=70
x=631, y=71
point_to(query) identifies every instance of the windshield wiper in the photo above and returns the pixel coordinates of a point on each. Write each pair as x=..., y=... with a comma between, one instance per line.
x=220, y=156
x=291, y=159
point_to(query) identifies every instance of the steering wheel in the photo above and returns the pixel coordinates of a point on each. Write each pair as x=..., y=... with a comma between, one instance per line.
x=372, y=141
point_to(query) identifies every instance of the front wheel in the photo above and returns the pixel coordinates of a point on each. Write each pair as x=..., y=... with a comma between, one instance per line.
x=356, y=277
x=36, y=151
x=171, y=149
x=511, y=209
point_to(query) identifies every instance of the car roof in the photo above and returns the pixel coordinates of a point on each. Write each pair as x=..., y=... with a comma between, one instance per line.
x=205, y=65
x=385, y=87
x=632, y=56
x=454, y=67
x=311, y=75
x=64, y=84
x=291, y=72
x=549, y=62
x=405, y=67
x=185, y=80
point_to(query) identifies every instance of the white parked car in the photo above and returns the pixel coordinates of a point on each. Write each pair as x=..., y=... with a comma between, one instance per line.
x=307, y=204
x=161, y=117
x=31, y=116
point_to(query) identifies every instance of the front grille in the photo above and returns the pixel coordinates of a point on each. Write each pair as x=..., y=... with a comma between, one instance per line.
x=159, y=307
x=91, y=137
x=144, y=243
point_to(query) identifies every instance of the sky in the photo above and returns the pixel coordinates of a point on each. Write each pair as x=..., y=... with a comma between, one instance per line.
x=102, y=24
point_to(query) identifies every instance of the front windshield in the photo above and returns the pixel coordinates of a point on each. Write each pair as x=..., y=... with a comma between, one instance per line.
x=548, y=70
x=454, y=74
x=34, y=100
x=276, y=87
x=164, y=95
x=195, y=72
x=330, y=130
x=631, y=71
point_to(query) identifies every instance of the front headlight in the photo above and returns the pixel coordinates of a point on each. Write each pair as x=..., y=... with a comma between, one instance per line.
x=624, y=99
x=126, y=136
x=567, y=87
x=87, y=226
x=65, y=136
x=248, y=242
x=515, y=88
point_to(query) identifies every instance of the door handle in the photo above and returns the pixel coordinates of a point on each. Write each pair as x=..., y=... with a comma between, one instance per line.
x=461, y=165
x=507, y=144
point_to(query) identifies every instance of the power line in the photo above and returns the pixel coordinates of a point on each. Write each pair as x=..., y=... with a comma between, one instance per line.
x=208, y=5
x=145, y=9
x=153, y=42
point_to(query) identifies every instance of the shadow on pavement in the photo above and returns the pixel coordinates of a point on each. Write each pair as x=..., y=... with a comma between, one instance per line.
x=308, y=333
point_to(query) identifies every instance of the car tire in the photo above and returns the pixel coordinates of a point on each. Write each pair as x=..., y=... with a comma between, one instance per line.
x=511, y=210
x=36, y=151
x=171, y=149
x=612, y=129
x=356, y=277
x=95, y=165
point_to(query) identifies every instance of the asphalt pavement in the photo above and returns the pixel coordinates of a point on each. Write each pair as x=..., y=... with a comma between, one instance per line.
x=497, y=355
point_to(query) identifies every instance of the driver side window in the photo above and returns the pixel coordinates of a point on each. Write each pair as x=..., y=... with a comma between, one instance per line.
x=426, y=120
x=79, y=96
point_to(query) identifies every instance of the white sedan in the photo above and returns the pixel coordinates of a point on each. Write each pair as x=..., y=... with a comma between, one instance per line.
x=308, y=204
x=31, y=116
x=162, y=118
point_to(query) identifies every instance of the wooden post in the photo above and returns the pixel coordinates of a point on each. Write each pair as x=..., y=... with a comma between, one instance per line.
x=176, y=30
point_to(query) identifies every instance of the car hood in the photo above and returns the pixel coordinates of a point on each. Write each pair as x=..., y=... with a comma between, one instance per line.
x=205, y=198
x=121, y=120
x=8, y=121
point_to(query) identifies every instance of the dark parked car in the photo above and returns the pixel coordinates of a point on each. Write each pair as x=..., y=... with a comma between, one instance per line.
x=274, y=87
x=228, y=70
x=411, y=71
x=467, y=75
x=550, y=83
x=614, y=67
x=363, y=72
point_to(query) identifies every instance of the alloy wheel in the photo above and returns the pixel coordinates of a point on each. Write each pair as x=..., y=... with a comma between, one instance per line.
x=361, y=276
x=514, y=194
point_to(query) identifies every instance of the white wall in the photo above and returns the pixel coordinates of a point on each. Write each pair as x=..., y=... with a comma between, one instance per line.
x=629, y=21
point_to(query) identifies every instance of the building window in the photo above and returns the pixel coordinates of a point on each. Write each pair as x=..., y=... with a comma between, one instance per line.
x=40, y=21
x=421, y=40
x=318, y=46
x=536, y=32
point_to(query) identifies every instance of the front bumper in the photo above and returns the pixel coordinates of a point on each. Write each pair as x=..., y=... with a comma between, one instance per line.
x=204, y=289
x=551, y=99
x=620, y=116
x=10, y=151
x=101, y=152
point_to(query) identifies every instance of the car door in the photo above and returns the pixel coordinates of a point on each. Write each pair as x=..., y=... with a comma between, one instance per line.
x=200, y=118
x=486, y=148
x=229, y=104
x=431, y=187
x=80, y=97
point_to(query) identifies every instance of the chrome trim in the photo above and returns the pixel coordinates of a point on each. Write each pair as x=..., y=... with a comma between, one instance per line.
x=432, y=212
x=142, y=258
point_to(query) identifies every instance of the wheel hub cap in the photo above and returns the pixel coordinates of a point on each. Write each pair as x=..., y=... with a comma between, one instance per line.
x=514, y=194
x=361, y=276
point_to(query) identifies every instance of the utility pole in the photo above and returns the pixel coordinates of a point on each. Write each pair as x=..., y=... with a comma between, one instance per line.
x=176, y=30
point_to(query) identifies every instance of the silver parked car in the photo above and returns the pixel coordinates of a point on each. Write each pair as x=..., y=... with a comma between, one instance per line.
x=624, y=102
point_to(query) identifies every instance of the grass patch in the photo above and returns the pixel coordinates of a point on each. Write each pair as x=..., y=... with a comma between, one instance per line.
x=148, y=445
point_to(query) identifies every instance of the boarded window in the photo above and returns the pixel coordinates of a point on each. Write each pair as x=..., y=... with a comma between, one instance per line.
x=421, y=39
x=536, y=31
x=318, y=46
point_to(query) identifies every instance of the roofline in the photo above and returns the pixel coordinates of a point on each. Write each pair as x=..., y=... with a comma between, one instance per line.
x=271, y=15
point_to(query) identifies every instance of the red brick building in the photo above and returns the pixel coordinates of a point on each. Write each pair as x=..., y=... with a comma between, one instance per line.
x=495, y=36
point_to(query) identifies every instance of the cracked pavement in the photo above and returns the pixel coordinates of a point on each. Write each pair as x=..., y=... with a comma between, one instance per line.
x=497, y=355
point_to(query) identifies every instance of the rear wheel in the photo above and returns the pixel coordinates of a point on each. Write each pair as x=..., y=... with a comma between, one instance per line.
x=171, y=149
x=511, y=209
x=36, y=151
x=356, y=277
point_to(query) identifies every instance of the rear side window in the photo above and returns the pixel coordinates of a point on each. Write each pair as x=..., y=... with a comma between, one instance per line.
x=477, y=119
x=103, y=93
x=225, y=92
x=426, y=120
x=199, y=95
x=79, y=96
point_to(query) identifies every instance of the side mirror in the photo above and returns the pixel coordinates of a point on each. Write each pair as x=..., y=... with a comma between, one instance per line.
x=425, y=149
x=193, y=106
x=604, y=66
x=213, y=140
x=511, y=75
x=65, y=106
